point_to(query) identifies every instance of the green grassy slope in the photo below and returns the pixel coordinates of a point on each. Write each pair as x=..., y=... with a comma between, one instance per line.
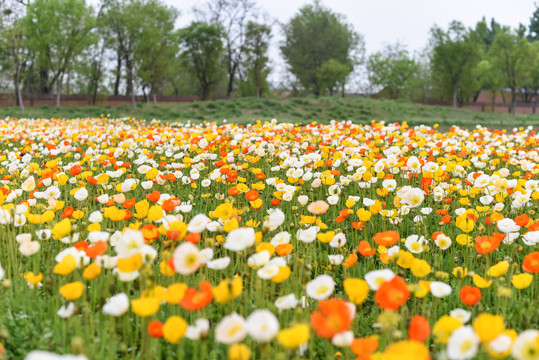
x=297, y=110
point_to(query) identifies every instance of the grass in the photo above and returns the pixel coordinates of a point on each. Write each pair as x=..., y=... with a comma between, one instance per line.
x=296, y=110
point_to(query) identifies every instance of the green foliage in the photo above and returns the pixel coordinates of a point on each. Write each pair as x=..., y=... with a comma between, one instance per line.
x=392, y=69
x=534, y=25
x=456, y=52
x=510, y=56
x=202, y=48
x=57, y=31
x=256, y=64
x=312, y=38
x=332, y=75
x=489, y=79
x=158, y=44
x=485, y=34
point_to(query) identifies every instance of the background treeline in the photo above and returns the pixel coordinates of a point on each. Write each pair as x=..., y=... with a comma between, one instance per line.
x=133, y=47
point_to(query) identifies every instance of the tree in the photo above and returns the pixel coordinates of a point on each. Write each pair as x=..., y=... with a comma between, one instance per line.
x=57, y=31
x=14, y=53
x=157, y=47
x=489, y=79
x=126, y=19
x=315, y=36
x=255, y=67
x=485, y=34
x=90, y=69
x=533, y=78
x=533, y=29
x=332, y=76
x=455, y=54
x=392, y=69
x=202, y=48
x=510, y=55
x=232, y=16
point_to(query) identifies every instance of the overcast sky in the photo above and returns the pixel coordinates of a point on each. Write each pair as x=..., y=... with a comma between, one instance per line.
x=386, y=21
x=382, y=22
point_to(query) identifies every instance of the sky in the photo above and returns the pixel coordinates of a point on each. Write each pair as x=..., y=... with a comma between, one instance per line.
x=383, y=22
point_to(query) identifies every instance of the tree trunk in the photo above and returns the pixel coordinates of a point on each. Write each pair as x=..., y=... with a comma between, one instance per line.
x=58, y=90
x=493, y=100
x=154, y=96
x=18, y=88
x=230, y=86
x=133, y=102
x=67, y=82
x=535, y=103
x=513, y=101
x=146, y=98
x=118, y=75
x=130, y=85
x=43, y=76
x=205, y=92
x=454, y=95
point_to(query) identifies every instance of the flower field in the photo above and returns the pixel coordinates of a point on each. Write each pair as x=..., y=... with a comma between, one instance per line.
x=124, y=239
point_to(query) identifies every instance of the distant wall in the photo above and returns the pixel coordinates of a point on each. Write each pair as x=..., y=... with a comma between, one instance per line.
x=31, y=100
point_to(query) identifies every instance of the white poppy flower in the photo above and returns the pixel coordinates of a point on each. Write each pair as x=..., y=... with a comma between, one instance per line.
x=463, y=344
x=321, y=287
x=440, y=289
x=186, y=258
x=231, y=329
x=219, y=264
x=376, y=278
x=262, y=325
x=287, y=302
x=116, y=305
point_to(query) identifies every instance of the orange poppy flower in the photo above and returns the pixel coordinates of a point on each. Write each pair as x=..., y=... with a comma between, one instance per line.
x=129, y=203
x=531, y=262
x=534, y=226
x=193, y=238
x=387, y=238
x=284, y=249
x=68, y=212
x=155, y=329
x=350, y=260
x=196, y=300
x=91, y=180
x=154, y=196
x=333, y=317
x=485, y=245
x=358, y=225
x=522, y=220
x=251, y=195
x=363, y=347
x=75, y=170
x=169, y=205
x=419, y=329
x=97, y=249
x=391, y=295
x=275, y=202
x=498, y=237
x=366, y=249
x=470, y=295
x=81, y=245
